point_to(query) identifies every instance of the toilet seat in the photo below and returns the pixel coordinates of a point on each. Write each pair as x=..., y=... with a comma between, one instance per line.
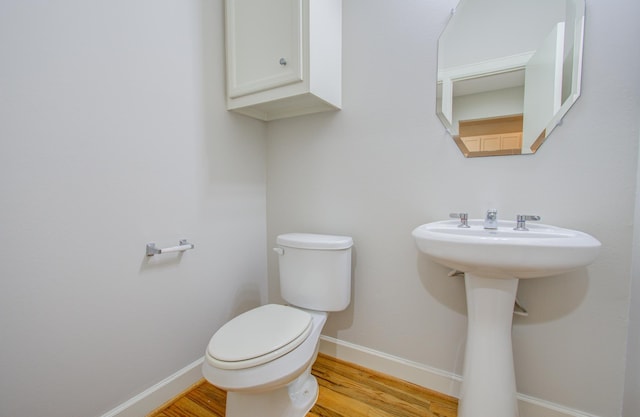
x=258, y=336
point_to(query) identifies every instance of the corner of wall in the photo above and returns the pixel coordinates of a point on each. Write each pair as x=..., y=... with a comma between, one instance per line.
x=631, y=401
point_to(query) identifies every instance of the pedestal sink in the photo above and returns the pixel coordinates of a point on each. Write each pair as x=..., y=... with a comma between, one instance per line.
x=493, y=260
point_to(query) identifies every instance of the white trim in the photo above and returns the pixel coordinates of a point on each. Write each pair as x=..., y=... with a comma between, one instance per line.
x=425, y=376
x=484, y=68
x=432, y=378
x=165, y=390
x=535, y=407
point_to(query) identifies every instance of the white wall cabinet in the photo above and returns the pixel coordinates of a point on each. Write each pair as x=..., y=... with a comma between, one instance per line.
x=284, y=57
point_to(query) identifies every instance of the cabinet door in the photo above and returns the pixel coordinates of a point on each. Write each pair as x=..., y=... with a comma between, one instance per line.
x=472, y=143
x=512, y=141
x=490, y=143
x=264, y=44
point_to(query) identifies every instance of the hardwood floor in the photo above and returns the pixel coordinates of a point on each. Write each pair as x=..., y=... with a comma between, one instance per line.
x=346, y=390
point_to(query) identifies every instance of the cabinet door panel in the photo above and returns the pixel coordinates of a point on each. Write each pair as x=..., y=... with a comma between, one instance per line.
x=263, y=44
x=512, y=141
x=490, y=143
x=472, y=143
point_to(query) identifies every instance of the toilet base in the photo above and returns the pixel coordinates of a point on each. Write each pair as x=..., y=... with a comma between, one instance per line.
x=292, y=400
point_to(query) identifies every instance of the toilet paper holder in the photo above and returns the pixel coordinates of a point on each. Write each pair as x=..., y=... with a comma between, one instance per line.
x=183, y=245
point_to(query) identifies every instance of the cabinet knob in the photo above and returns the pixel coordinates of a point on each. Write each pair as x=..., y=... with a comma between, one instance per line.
x=283, y=62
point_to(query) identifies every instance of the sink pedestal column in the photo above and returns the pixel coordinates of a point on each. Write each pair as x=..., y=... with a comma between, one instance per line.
x=489, y=383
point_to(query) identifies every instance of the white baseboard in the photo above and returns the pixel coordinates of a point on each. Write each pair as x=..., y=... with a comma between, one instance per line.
x=165, y=390
x=434, y=379
x=419, y=374
x=431, y=378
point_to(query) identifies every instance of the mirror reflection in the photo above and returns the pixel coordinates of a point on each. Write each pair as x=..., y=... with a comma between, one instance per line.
x=508, y=71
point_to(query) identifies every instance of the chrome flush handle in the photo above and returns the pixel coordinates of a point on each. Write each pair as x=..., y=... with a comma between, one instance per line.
x=521, y=220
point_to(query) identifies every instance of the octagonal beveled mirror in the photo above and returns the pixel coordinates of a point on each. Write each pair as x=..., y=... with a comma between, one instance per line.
x=508, y=71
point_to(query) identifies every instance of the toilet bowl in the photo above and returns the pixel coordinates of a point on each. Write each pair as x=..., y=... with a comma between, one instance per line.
x=280, y=387
x=263, y=357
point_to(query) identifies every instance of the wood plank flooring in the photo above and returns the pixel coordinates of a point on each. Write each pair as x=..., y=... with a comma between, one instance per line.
x=346, y=390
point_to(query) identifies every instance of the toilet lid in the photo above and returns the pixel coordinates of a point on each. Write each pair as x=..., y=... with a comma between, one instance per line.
x=259, y=336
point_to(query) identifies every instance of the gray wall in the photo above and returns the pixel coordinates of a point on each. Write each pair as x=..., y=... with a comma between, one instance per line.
x=632, y=383
x=114, y=134
x=384, y=165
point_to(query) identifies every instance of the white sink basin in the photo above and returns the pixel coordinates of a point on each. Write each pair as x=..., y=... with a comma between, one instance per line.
x=493, y=262
x=506, y=253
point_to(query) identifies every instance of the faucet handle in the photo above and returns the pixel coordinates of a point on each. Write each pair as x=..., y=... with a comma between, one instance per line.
x=525, y=217
x=521, y=220
x=463, y=218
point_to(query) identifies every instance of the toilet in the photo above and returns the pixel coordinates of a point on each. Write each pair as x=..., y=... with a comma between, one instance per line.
x=263, y=357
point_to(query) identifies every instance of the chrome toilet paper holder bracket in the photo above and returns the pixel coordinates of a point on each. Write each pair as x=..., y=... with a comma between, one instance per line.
x=183, y=245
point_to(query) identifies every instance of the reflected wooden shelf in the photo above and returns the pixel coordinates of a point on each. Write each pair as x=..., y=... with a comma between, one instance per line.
x=490, y=137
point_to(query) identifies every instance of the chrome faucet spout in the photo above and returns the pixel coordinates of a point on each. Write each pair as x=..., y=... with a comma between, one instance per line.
x=491, y=219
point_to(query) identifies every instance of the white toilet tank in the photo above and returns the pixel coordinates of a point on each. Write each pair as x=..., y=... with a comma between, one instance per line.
x=315, y=270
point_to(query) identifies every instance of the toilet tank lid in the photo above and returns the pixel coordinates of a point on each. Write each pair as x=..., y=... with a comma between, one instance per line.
x=314, y=241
